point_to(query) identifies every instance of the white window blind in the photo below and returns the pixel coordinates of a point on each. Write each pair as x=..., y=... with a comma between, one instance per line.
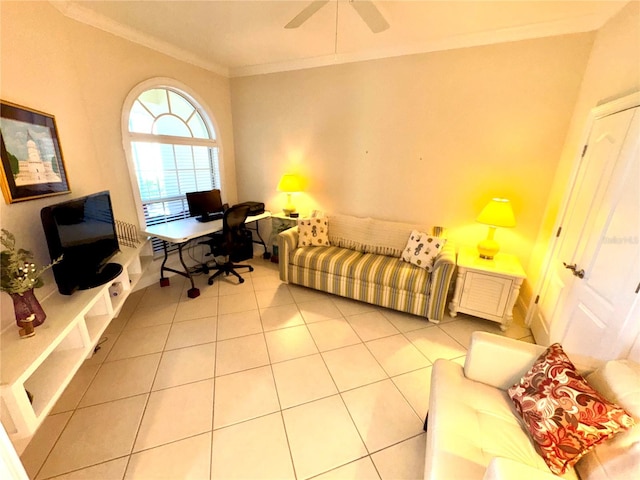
x=174, y=152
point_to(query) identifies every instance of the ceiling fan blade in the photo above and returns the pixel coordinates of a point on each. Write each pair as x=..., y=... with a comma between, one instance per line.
x=306, y=13
x=370, y=14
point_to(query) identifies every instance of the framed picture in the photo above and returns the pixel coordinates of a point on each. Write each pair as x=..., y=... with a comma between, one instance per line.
x=32, y=164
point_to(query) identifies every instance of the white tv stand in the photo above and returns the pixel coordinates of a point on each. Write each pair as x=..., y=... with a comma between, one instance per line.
x=46, y=363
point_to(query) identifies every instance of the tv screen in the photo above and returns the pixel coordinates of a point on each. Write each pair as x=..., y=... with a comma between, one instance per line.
x=82, y=231
x=206, y=205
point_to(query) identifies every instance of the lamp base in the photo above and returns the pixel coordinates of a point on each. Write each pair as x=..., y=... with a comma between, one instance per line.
x=488, y=248
x=289, y=208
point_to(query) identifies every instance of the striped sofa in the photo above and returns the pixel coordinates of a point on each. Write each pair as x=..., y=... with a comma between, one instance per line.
x=363, y=263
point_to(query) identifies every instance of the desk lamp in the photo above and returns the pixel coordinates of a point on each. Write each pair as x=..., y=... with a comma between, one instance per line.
x=290, y=183
x=497, y=213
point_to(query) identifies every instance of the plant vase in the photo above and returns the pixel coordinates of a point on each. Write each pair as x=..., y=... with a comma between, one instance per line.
x=26, y=304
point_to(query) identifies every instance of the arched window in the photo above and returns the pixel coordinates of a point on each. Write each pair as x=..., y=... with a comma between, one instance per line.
x=173, y=150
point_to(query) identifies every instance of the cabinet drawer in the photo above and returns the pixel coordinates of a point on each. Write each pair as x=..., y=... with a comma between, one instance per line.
x=485, y=293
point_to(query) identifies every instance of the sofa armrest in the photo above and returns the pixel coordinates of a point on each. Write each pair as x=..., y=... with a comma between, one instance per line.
x=499, y=361
x=507, y=469
x=441, y=276
x=287, y=243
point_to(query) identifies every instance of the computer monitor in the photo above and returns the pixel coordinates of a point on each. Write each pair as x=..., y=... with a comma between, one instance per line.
x=205, y=206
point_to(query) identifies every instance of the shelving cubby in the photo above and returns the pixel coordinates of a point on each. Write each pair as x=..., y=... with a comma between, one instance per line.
x=45, y=363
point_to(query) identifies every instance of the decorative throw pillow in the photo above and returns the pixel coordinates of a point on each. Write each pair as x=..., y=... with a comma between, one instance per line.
x=565, y=416
x=313, y=232
x=422, y=249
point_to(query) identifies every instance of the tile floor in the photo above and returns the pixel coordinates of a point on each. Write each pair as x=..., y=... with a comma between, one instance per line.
x=258, y=380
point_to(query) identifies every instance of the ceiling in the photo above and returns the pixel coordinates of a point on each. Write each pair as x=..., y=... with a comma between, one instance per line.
x=241, y=37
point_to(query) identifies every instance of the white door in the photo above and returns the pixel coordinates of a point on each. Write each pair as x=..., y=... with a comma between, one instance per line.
x=587, y=307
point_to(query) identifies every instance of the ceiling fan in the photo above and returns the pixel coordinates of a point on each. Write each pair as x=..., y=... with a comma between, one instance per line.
x=365, y=8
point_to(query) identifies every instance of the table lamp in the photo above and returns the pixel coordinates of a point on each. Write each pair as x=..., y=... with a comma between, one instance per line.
x=497, y=213
x=290, y=183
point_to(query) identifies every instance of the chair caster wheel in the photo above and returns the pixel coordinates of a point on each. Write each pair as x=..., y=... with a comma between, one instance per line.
x=210, y=281
x=165, y=282
x=251, y=269
x=241, y=280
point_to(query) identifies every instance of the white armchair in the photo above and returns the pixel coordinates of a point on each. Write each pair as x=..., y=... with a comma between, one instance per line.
x=474, y=432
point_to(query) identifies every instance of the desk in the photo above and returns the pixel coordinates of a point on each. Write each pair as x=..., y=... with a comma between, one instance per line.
x=181, y=232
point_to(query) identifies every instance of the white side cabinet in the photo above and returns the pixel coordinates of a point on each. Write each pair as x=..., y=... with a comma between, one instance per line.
x=279, y=223
x=487, y=288
x=45, y=364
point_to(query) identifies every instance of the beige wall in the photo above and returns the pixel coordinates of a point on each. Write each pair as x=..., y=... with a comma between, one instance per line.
x=82, y=76
x=426, y=138
x=612, y=72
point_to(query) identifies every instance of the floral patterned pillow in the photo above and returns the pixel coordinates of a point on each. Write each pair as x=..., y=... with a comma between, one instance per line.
x=422, y=249
x=313, y=232
x=565, y=416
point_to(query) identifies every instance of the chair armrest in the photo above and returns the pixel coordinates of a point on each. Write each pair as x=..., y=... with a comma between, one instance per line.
x=287, y=243
x=507, y=469
x=499, y=361
x=441, y=276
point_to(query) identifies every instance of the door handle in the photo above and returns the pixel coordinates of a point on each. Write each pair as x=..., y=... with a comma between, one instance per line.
x=574, y=269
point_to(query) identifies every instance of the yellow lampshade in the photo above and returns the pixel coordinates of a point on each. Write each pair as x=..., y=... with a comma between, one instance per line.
x=497, y=213
x=290, y=183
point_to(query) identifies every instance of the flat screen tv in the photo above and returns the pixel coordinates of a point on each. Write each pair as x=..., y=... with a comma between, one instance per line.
x=82, y=231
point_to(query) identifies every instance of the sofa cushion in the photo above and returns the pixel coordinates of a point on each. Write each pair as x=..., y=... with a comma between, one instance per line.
x=506, y=469
x=326, y=259
x=368, y=235
x=564, y=415
x=516, y=358
x=619, y=382
x=391, y=272
x=313, y=232
x=469, y=424
x=421, y=250
x=618, y=458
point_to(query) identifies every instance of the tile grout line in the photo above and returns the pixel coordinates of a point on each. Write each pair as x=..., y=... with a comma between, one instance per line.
x=344, y=404
x=146, y=403
x=311, y=401
x=215, y=385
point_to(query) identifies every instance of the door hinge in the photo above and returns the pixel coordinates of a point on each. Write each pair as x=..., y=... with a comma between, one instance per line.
x=584, y=150
x=558, y=232
x=537, y=299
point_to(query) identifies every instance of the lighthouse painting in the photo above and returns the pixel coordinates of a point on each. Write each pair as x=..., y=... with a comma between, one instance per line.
x=31, y=157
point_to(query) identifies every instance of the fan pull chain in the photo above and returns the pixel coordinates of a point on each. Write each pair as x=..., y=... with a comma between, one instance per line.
x=335, y=47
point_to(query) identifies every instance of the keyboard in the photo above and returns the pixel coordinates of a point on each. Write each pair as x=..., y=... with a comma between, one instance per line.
x=211, y=217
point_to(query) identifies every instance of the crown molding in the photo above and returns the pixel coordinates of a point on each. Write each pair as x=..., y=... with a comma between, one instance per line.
x=586, y=23
x=89, y=17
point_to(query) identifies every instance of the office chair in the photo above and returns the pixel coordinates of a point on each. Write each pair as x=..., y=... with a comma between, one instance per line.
x=229, y=242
